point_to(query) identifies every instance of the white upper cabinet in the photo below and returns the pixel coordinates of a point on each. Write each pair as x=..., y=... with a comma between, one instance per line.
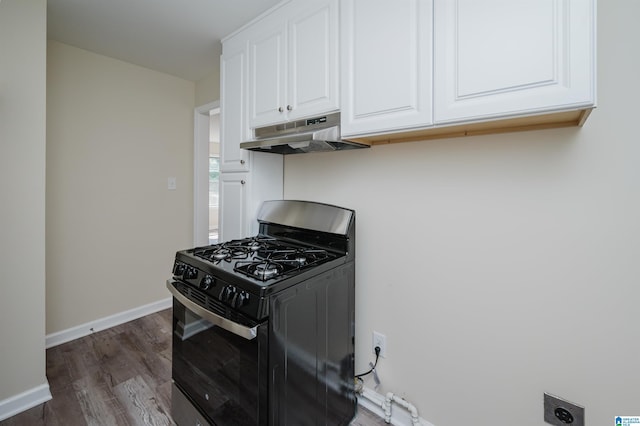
x=293, y=62
x=267, y=72
x=501, y=58
x=247, y=178
x=233, y=106
x=314, y=60
x=416, y=69
x=386, y=65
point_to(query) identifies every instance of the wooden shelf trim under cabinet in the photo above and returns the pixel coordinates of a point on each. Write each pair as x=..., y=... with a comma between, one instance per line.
x=517, y=124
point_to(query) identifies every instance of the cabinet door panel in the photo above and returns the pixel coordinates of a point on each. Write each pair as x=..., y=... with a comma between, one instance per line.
x=386, y=62
x=233, y=196
x=497, y=58
x=490, y=49
x=313, y=61
x=268, y=76
x=233, y=125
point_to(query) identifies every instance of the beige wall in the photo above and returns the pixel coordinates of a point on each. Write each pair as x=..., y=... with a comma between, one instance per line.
x=22, y=195
x=208, y=88
x=115, y=133
x=501, y=267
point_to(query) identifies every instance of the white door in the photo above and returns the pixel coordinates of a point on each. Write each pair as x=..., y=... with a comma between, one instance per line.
x=497, y=58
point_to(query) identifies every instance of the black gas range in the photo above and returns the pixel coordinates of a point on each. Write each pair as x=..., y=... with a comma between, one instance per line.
x=264, y=326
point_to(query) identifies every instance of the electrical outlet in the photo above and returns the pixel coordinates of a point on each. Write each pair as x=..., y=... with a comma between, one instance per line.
x=559, y=412
x=381, y=341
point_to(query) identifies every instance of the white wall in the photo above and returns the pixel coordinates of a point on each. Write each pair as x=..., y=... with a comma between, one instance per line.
x=501, y=267
x=115, y=133
x=22, y=197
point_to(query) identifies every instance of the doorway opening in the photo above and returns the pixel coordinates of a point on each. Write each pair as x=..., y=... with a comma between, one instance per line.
x=214, y=174
x=206, y=162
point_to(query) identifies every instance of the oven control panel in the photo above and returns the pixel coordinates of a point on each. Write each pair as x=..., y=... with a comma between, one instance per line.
x=231, y=295
x=234, y=297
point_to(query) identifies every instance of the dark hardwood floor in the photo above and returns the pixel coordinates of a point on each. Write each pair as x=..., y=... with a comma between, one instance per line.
x=119, y=376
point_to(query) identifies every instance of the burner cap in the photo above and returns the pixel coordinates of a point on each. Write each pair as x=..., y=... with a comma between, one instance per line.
x=266, y=270
x=219, y=255
x=254, y=246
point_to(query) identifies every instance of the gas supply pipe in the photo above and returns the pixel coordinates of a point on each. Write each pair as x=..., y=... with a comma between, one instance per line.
x=385, y=404
x=400, y=401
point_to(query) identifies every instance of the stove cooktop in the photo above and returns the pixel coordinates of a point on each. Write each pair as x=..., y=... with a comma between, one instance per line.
x=263, y=258
x=240, y=273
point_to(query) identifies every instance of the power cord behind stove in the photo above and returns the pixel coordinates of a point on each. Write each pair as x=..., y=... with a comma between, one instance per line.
x=373, y=369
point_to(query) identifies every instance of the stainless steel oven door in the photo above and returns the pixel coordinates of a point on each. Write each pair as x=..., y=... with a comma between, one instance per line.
x=220, y=365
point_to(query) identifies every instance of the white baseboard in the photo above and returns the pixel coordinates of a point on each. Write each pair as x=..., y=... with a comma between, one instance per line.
x=372, y=401
x=18, y=403
x=64, y=336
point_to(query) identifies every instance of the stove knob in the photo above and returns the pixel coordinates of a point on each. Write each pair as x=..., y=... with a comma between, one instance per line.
x=240, y=299
x=227, y=293
x=231, y=294
x=190, y=273
x=206, y=282
x=178, y=269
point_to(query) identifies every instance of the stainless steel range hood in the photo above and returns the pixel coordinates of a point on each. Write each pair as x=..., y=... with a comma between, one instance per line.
x=315, y=134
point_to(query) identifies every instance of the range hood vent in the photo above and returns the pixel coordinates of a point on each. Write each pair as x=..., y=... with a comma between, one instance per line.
x=317, y=134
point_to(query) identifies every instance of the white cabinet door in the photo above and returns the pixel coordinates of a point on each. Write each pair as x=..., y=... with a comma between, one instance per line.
x=386, y=65
x=267, y=49
x=293, y=62
x=233, y=206
x=242, y=195
x=233, y=104
x=501, y=58
x=313, y=61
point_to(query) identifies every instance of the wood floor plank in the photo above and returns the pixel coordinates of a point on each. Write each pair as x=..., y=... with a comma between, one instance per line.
x=79, y=358
x=149, y=358
x=143, y=407
x=32, y=417
x=63, y=407
x=98, y=402
x=117, y=377
x=163, y=393
x=57, y=369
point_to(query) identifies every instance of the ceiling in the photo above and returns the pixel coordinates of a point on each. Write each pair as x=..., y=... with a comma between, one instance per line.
x=177, y=37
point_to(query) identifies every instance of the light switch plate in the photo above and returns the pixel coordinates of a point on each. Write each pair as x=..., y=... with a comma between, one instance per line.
x=171, y=183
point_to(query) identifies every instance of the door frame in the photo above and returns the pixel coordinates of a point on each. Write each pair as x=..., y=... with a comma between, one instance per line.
x=201, y=172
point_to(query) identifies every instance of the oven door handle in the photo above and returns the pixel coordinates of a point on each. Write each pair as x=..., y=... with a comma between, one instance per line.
x=248, y=333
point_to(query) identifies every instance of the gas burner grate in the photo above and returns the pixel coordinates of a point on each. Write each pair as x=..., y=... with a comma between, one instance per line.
x=275, y=262
x=232, y=250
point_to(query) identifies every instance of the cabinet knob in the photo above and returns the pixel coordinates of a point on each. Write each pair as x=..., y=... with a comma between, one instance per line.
x=242, y=182
x=280, y=109
x=289, y=107
x=241, y=161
